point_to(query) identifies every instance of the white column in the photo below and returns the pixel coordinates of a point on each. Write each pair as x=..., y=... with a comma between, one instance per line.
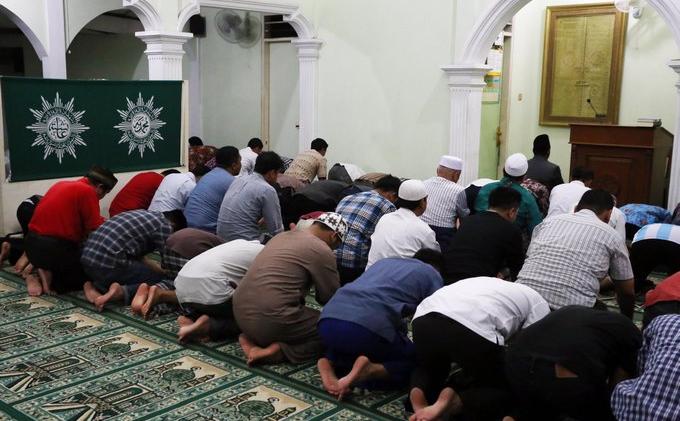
x=674, y=191
x=308, y=55
x=466, y=84
x=165, y=52
x=54, y=63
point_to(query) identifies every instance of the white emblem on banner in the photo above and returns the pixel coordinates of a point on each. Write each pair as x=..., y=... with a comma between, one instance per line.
x=58, y=128
x=140, y=125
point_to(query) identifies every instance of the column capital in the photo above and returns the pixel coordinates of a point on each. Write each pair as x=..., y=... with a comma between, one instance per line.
x=164, y=50
x=167, y=41
x=466, y=76
x=308, y=48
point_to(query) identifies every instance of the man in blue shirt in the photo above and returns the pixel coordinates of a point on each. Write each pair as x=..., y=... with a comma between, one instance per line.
x=252, y=198
x=363, y=328
x=203, y=205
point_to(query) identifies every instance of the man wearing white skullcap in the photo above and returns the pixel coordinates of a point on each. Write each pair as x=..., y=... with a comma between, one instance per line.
x=442, y=206
x=403, y=233
x=529, y=215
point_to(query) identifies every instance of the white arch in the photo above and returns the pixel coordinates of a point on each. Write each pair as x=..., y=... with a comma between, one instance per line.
x=499, y=13
x=466, y=97
x=291, y=13
x=147, y=14
x=35, y=41
x=98, y=8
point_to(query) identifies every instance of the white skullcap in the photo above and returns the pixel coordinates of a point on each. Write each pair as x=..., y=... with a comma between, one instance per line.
x=516, y=165
x=451, y=162
x=412, y=190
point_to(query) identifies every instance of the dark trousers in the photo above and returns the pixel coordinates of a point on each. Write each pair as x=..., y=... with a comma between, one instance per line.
x=441, y=342
x=222, y=323
x=60, y=257
x=542, y=396
x=346, y=341
x=647, y=255
x=444, y=236
x=130, y=277
x=348, y=275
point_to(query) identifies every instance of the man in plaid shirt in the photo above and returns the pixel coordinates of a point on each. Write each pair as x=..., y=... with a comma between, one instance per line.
x=362, y=211
x=655, y=395
x=114, y=255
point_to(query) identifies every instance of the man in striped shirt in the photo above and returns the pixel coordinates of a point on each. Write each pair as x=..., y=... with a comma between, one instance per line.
x=570, y=254
x=442, y=205
x=655, y=246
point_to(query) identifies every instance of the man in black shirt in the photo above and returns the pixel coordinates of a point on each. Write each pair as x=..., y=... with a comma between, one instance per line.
x=487, y=242
x=566, y=364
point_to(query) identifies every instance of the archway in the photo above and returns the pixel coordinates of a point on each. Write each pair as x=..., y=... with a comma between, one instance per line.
x=17, y=55
x=307, y=45
x=466, y=82
x=107, y=48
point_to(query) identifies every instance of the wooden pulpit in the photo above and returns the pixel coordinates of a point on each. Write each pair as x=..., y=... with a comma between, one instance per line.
x=631, y=162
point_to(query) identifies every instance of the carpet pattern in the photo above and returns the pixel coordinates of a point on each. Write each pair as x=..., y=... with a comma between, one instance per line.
x=62, y=360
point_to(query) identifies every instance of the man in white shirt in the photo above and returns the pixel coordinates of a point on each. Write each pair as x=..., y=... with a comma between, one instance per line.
x=442, y=206
x=173, y=192
x=564, y=197
x=249, y=155
x=204, y=288
x=402, y=233
x=468, y=323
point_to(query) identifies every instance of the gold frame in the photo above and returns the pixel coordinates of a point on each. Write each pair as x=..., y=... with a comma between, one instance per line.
x=616, y=71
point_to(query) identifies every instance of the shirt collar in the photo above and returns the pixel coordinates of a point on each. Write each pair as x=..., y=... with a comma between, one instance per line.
x=191, y=176
x=579, y=182
x=407, y=212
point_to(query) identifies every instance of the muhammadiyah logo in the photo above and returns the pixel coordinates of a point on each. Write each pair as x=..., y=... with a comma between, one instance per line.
x=140, y=125
x=58, y=128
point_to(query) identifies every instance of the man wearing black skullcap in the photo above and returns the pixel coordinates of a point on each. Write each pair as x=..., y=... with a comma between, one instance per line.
x=540, y=169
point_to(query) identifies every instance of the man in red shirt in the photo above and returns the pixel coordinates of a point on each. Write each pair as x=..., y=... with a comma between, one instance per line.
x=61, y=222
x=662, y=300
x=138, y=192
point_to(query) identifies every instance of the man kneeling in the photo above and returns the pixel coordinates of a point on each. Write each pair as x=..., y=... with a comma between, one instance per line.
x=363, y=327
x=468, y=323
x=269, y=305
x=114, y=256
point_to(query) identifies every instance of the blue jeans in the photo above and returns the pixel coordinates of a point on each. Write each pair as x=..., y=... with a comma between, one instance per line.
x=129, y=277
x=346, y=341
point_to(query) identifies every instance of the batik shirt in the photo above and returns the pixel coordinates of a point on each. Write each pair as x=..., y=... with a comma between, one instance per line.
x=361, y=211
x=641, y=214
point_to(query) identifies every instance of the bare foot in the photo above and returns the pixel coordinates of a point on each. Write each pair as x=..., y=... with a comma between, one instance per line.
x=246, y=344
x=28, y=269
x=46, y=281
x=184, y=321
x=151, y=300
x=197, y=330
x=447, y=405
x=115, y=293
x=22, y=263
x=4, y=251
x=508, y=418
x=418, y=399
x=270, y=354
x=328, y=377
x=139, y=299
x=34, y=286
x=362, y=370
x=91, y=292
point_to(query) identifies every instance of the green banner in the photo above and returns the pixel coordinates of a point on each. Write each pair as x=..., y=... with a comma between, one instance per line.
x=59, y=128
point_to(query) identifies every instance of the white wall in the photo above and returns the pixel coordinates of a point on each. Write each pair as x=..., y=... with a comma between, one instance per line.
x=107, y=56
x=231, y=80
x=383, y=99
x=284, y=99
x=648, y=87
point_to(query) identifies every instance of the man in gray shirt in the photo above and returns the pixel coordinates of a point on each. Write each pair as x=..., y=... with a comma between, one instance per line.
x=250, y=199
